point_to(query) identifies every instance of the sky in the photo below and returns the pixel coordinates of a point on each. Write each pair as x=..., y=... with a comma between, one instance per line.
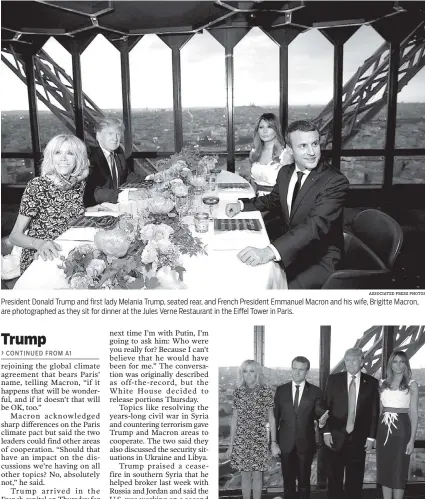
x=203, y=71
x=282, y=346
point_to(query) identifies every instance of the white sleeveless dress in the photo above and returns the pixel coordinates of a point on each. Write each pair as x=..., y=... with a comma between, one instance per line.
x=394, y=432
x=264, y=176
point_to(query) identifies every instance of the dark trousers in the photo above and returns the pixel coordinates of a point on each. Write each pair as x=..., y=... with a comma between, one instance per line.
x=296, y=466
x=351, y=460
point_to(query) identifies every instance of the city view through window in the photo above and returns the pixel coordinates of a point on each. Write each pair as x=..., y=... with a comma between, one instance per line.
x=256, y=90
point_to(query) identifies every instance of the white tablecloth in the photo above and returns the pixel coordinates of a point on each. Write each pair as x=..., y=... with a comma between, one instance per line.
x=220, y=269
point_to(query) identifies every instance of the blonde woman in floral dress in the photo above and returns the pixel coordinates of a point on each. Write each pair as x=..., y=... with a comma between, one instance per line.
x=249, y=446
x=398, y=423
x=52, y=200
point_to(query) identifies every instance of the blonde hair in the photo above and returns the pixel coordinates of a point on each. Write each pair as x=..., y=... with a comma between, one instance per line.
x=258, y=370
x=76, y=146
x=107, y=122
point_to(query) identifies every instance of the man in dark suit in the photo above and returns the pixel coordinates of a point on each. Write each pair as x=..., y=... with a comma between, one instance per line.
x=297, y=405
x=352, y=399
x=108, y=167
x=309, y=196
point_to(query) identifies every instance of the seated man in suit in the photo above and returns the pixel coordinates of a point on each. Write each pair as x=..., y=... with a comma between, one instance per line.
x=309, y=196
x=108, y=167
x=297, y=405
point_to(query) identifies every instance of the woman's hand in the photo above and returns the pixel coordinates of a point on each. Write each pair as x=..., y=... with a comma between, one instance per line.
x=229, y=451
x=48, y=250
x=275, y=449
x=410, y=447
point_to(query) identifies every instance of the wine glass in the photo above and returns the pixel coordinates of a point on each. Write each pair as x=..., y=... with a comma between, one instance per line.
x=211, y=199
x=181, y=205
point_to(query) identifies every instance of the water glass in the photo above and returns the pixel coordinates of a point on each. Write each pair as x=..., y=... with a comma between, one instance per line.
x=201, y=220
x=181, y=205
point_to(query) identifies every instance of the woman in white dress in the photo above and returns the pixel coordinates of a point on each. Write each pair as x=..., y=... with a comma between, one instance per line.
x=398, y=423
x=268, y=155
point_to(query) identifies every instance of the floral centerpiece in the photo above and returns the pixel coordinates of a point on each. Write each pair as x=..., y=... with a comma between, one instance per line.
x=184, y=166
x=141, y=253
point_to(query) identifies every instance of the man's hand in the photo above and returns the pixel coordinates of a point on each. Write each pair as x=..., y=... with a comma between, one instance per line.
x=323, y=419
x=327, y=438
x=275, y=449
x=256, y=256
x=369, y=444
x=48, y=250
x=232, y=209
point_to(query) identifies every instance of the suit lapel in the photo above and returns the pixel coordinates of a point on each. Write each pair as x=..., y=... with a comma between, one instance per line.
x=308, y=184
x=362, y=392
x=103, y=163
x=289, y=170
x=344, y=392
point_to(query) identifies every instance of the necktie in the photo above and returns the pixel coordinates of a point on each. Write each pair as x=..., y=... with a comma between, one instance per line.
x=113, y=170
x=351, y=405
x=297, y=187
x=296, y=398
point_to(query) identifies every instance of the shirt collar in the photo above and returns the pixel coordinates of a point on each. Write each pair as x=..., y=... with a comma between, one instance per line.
x=357, y=376
x=305, y=172
x=105, y=152
x=301, y=385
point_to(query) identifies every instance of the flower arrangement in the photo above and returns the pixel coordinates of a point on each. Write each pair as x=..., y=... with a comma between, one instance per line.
x=139, y=254
x=182, y=165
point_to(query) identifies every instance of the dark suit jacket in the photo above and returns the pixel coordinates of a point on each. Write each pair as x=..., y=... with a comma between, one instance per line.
x=367, y=409
x=297, y=429
x=99, y=182
x=312, y=235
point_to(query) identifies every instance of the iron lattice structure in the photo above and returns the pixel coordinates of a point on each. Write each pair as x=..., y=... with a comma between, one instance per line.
x=56, y=91
x=365, y=94
x=407, y=338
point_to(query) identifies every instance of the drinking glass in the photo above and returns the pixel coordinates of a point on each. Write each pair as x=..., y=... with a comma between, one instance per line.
x=181, y=205
x=211, y=199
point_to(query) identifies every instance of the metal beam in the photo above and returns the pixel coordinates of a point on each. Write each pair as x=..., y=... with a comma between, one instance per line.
x=387, y=347
x=33, y=112
x=259, y=344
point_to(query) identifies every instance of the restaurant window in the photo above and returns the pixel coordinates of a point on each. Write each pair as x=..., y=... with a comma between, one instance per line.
x=151, y=84
x=256, y=90
x=409, y=170
x=363, y=169
x=310, y=74
x=15, y=123
x=371, y=133
x=410, y=127
x=204, y=93
x=49, y=124
x=101, y=77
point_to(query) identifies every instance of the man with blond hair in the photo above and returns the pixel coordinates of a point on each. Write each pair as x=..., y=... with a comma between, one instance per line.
x=352, y=399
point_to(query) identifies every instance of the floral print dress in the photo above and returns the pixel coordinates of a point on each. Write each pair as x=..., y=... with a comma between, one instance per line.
x=250, y=448
x=51, y=209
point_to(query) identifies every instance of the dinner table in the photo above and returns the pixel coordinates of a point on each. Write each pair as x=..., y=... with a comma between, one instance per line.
x=219, y=269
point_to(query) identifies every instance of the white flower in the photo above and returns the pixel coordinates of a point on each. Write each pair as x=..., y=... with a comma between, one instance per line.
x=95, y=267
x=147, y=232
x=165, y=246
x=162, y=231
x=149, y=254
x=80, y=281
x=169, y=279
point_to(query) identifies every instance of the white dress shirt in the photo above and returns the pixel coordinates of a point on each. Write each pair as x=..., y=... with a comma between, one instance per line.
x=357, y=382
x=301, y=389
x=123, y=195
x=291, y=188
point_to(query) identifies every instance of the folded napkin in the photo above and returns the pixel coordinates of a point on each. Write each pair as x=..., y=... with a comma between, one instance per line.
x=78, y=234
